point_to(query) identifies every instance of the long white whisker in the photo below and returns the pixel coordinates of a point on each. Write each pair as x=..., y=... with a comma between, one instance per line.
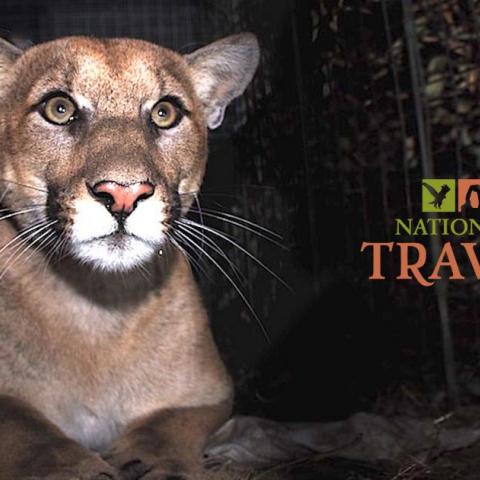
x=23, y=185
x=9, y=209
x=32, y=231
x=205, y=240
x=208, y=212
x=54, y=248
x=50, y=238
x=189, y=257
x=247, y=228
x=63, y=252
x=234, y=285
x=227, y=238
x=21, y=212
x=4, y=194
x=21, y=234
x=14, y=256
x=199, y=211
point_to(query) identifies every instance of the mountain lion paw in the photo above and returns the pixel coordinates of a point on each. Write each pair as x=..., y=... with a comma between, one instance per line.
x=132, y=468
x=91, y=469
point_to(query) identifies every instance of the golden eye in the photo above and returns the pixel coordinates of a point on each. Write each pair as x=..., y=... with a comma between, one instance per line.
x=60, y=110
x=165, y=114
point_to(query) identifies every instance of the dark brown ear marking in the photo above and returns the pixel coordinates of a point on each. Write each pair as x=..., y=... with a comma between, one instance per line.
x=221, y=71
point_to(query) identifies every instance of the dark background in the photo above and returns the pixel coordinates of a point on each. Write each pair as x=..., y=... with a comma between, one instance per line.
x=324, y=149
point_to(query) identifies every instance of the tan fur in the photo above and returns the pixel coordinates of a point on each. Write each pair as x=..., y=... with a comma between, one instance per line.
x=123, y=363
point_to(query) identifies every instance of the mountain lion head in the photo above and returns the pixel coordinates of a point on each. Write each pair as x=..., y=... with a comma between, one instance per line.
x=104, y=142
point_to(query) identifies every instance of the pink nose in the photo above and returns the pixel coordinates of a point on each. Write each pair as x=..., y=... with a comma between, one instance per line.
x=120, y=198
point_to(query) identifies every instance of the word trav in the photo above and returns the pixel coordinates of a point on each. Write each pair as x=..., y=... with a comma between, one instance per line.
x=413, y=261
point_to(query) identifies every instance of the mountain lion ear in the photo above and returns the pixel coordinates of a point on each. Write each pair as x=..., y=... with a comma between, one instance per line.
x=8, y=54
x=221, y=72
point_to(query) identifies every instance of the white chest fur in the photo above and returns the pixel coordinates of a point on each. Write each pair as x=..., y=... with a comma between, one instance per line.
x=94, y=428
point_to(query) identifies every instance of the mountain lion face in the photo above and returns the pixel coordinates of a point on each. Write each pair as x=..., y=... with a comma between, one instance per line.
x=103, y=142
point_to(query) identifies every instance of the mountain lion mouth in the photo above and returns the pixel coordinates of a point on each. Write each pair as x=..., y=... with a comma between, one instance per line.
x=117, y=240
x=115, y=253
x=105, y=239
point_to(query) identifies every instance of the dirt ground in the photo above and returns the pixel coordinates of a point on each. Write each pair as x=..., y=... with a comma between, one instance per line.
x=463, y=463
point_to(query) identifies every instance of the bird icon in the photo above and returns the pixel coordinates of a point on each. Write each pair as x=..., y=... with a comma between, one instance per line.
x=438, y=197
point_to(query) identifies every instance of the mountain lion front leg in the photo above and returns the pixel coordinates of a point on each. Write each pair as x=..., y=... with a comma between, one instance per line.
x=168, y=444
x=34, y=448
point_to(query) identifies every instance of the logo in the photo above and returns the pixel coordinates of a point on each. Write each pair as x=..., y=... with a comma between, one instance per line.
x=468, y=198
x=438, y=195
x=414, y=256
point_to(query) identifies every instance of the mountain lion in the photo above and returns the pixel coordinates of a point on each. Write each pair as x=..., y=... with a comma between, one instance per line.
x=107, y=364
